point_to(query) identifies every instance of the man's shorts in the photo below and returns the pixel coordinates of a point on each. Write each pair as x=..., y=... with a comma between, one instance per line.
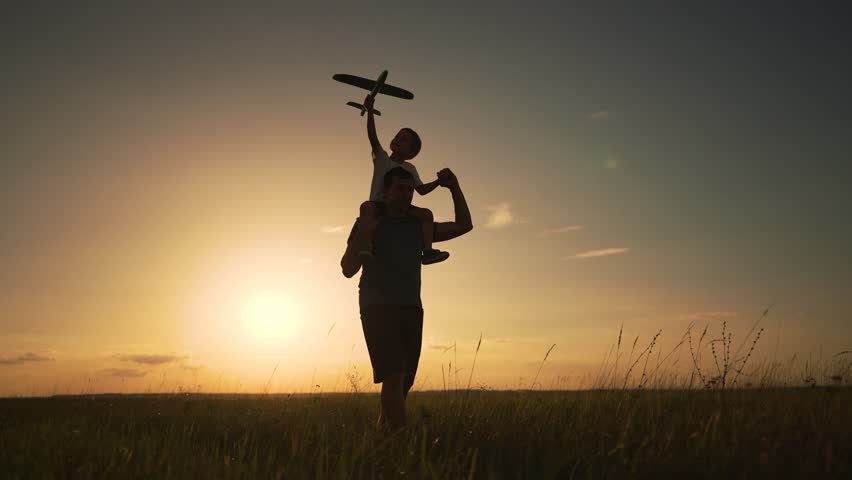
x=394, y=334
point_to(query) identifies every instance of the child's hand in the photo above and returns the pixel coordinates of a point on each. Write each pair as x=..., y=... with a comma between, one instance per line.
x=446, y=178
x=368, y=102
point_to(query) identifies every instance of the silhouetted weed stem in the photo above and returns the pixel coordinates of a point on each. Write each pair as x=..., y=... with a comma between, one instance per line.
x=696, y=357
x=647, y=357
x=745, y=360
x=748, y=335
x=659, y=363
x=647, y=350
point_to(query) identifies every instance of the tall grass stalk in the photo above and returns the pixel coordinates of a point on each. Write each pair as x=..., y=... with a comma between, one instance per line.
x=541, y=366
x=478, y=344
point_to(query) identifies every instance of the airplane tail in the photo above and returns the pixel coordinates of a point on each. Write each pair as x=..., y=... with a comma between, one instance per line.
x=361, y=107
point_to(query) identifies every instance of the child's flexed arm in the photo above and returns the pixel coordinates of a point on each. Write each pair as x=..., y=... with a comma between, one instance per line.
x=371, y=125
x=427, y=187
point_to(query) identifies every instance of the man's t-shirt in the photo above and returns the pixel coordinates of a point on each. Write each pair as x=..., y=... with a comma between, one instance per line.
x=393, y=277
x=381, y=164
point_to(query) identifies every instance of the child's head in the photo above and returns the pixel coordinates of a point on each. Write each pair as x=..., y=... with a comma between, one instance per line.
x=406, y=144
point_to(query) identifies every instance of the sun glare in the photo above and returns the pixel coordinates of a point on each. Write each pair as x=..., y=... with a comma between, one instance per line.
x=269, y=316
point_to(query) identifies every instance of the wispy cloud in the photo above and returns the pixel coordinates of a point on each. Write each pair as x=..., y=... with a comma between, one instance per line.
x=28, y=357
x=711, y=315
x=555, y=231
x=123, y=372
x=599, y=115
x=599, y=253
x=151, y=359
x=501, y=216
x=333, y=230
x=442, y=348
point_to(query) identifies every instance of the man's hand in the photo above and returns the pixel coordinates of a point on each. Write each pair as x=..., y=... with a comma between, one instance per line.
x=462, y=223
x=446, y=178
x=368, y=102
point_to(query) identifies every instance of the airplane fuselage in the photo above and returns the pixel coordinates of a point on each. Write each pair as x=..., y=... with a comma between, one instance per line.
x=379, y=82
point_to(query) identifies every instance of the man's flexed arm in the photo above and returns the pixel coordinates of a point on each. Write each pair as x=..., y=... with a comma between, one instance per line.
x=371, y=125
x=463, y=223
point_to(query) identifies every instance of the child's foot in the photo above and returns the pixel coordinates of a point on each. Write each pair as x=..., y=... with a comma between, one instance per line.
x=366, y=256
x=431, y=255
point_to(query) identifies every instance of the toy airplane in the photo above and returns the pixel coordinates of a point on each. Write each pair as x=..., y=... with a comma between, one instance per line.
x=374, y=86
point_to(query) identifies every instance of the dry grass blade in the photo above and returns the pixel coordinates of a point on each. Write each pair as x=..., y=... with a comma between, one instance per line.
x=617, y=352
x=443, y=378
x=542, y=365
x=268, y=382
x=602, y=370
x=648, y=357
x=661, y=362
x=474, y=361
x=456, y=361
x=695, y=357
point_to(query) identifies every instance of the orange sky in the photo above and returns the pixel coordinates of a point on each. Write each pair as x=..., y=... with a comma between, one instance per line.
x=177, y=195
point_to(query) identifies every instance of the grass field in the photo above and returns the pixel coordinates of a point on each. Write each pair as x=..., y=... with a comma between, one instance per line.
x=699, y=433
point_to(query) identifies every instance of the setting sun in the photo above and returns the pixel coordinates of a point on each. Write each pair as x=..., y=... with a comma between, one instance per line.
x=269, y=316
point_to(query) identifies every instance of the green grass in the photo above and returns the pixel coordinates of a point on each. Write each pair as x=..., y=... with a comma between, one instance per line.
x=790, y=432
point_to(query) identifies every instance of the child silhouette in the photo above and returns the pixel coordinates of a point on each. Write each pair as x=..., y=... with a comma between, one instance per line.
x=404, y=147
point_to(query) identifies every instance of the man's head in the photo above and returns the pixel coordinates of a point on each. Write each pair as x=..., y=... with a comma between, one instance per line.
x=406, y=144
x=398, y=187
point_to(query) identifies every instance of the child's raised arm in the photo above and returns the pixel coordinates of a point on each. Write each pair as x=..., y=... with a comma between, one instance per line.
x=371, y=125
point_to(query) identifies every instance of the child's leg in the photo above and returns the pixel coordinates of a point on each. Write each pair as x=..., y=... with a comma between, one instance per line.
x=430, y=255
x=427, y=220
x=367, y=221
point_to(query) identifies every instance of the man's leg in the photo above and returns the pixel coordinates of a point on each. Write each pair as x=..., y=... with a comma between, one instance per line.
x=385, y=346
x=406, y=386
x=393, y=402
x=412, y=335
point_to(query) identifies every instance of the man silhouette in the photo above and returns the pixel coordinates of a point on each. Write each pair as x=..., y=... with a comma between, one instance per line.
x=389, y=289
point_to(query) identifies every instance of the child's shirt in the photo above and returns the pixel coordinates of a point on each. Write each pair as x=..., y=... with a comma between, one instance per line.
x=381, y=164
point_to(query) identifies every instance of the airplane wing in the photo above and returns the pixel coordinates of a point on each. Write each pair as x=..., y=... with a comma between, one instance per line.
x=359, y=82
x=361, y=107
x=396, y=92
x=368, y=84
